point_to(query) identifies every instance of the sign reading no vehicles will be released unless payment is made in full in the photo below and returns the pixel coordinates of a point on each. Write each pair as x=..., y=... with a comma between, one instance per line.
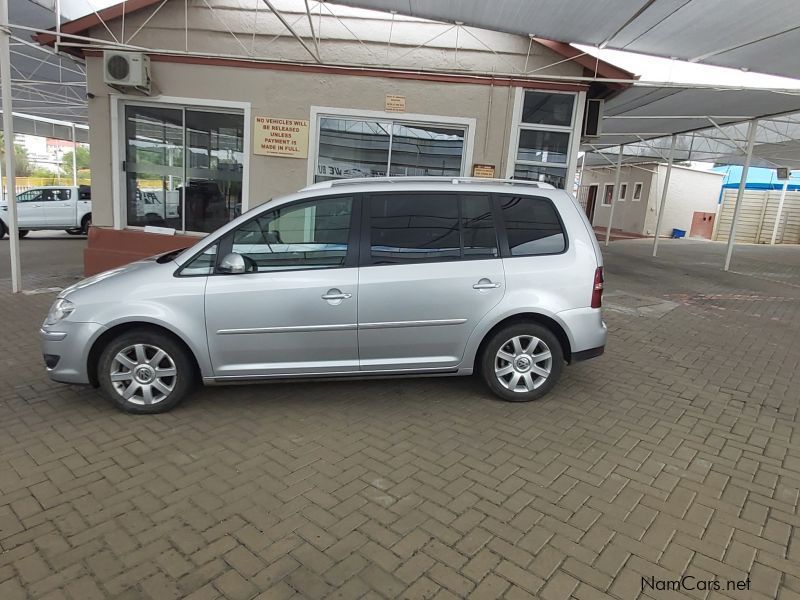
x=280, y=137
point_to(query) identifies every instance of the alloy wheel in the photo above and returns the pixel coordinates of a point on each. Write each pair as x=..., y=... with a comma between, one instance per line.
x=143, y=374
x=523, y=363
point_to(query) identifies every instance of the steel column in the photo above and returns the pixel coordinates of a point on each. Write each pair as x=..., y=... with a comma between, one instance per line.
x=751, y=139
x=663, y=204
x=615, y=195
x=780, y=211
x=8, y=135
x=74, y=158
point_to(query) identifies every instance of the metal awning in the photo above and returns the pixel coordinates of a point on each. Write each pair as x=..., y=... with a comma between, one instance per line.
x=711, y=126
x=44, y=83
x=759, y=36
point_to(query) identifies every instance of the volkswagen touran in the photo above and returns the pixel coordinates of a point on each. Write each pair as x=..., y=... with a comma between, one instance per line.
x=348, y=278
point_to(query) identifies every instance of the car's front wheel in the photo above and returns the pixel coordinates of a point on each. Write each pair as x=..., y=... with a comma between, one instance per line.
x=145, y=372
x=522, y=362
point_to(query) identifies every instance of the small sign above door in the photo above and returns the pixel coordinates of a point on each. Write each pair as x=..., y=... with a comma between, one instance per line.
x=395, y=103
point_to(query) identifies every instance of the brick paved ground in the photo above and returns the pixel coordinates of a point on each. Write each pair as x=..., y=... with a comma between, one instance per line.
x=678, y=452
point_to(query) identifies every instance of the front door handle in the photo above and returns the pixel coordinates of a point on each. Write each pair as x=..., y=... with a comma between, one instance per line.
x=336, y=294
x=485, y=284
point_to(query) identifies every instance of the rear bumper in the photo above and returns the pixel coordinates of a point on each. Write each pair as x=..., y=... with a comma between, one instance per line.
x=587, y=354
x=586, y=331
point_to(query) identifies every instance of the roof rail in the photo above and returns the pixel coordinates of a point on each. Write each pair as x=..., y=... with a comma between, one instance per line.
x=403, y=179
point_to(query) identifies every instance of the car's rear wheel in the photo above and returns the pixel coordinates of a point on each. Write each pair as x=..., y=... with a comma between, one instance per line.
x=86, y=223
x=2, y=230
x=522, y=362
x=145, y=372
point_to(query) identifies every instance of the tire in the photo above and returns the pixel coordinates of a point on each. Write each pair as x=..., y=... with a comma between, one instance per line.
x=2, y=230
x=165, y=391
x=534, y=378
x=23, y=232
x=86, y=223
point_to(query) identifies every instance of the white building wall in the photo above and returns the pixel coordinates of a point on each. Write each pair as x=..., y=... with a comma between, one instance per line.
x=689, y=191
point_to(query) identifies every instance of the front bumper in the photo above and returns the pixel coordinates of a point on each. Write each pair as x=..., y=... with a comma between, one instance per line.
x=65, y=347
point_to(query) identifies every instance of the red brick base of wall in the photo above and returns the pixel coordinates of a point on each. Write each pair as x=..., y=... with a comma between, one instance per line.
x=108, y=248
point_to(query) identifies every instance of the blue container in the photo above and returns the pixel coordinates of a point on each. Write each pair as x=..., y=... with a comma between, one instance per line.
x=678, y=233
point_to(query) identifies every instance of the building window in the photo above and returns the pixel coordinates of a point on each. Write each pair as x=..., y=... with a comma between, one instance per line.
x=623, y=191
x=544, y=137
x=355, y=147
x=183, y=166
x=608, y=194
x=637, y=192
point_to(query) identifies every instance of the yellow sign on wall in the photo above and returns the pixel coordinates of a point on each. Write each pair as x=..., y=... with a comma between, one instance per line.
x=479, y=170
x=280, y=137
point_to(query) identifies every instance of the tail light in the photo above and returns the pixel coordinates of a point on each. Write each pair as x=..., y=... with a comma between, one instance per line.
x=597, y=290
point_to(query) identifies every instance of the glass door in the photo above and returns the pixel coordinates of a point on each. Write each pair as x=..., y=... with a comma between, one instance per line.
x=154, y=151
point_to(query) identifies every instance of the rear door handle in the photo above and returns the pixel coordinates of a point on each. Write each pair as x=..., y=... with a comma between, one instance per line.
x=485, y=284
x=336, y=295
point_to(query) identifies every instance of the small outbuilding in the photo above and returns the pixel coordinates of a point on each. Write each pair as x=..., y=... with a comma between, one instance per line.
x=692, y=199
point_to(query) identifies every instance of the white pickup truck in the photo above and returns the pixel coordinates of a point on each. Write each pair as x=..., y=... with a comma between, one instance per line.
x=51, y=207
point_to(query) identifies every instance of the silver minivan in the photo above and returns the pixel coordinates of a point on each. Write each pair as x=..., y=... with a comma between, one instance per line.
x=347, y=278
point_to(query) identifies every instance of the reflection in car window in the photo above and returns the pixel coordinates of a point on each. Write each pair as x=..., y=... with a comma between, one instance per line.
x=418, y=227
x=532, y=226
x=310, y=235
x=30, y=196
x=409, y=227
x=202, y=264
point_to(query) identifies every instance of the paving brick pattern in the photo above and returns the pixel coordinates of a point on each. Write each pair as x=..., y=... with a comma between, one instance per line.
x=677, y=453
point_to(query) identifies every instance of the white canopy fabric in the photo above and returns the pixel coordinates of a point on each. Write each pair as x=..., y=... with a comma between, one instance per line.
x=760, y=35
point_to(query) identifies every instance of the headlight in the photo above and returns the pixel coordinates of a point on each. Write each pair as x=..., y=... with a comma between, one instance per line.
x=61, y=309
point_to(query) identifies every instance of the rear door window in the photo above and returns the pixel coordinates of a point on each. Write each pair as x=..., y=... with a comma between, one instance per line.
x=532, y=226
x=415, y=227
x=408, y=227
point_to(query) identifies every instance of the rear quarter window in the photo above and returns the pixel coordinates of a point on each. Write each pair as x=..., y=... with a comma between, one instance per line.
x=532, y=226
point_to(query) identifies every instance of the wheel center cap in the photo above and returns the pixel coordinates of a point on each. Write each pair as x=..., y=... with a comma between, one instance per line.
x=144, y=374
x=522, y=363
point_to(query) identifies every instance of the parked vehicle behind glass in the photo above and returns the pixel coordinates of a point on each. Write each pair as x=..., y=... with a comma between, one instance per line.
x=54, y=207
x=347, y=278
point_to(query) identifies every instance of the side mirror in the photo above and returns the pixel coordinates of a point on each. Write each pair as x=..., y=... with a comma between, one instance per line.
x=232, y=264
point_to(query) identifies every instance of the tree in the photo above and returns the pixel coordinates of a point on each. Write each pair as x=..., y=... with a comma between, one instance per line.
x=21, y=165
x=82, y=159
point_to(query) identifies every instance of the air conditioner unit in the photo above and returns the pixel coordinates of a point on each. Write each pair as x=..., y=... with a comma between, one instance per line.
x=127, y=71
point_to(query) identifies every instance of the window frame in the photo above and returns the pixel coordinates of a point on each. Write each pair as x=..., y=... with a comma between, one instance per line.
x=603, y=197
x=365, y=255
x=641, y=191
x=623, y=191
x=119, y=140
x=573, y=130
x=318, y=112
x=502, y=233
x=30, y=190
x=226, y=240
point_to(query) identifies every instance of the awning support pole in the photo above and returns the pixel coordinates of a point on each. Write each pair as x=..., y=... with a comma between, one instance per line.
x=780, y=213
x=615, y=195
x=751, y=139
x=663, y=204
x=8, y=136
x=74, y=158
